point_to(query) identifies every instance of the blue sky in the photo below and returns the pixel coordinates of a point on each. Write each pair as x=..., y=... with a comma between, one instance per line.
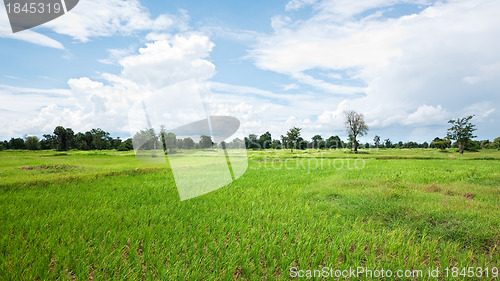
x=408, y=66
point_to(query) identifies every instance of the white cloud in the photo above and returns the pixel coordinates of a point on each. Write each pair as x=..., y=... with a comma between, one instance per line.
x=104, y=102
x=297, y=4
x=289, y=87
x=426, y=114
x=165, y=62
x=95, y=18
x=418, y=69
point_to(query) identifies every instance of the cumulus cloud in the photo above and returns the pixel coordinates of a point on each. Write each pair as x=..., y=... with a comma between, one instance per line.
x=105, y=101
x=417, y=69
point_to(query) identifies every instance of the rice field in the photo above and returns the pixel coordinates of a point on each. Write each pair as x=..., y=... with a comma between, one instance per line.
x=104, y=215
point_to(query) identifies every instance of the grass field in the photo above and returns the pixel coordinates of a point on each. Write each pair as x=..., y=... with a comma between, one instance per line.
x=105, y=215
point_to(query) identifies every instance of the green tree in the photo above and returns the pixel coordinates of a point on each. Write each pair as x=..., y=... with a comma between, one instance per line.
x=334, y=142
x=376, y=140
x=318, y=142
x=188, y=143
x=125, y=145
x=100, y=139
x=291, y=138
x=32, y=143
x=355, y=126
x=461, y=131
x=387, y=143
x=206, y=142
x=16, y=143
x=440, y=143
x=251, y=142
x=63, y=138
x=170, y=142
x=265, y=140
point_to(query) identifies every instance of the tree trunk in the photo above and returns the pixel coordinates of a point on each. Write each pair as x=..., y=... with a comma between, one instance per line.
x=355, y=145
x=460, y=148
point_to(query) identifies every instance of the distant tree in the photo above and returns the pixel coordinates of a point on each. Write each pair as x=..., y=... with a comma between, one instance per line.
x=356, y=126
x=188, y=143
x=302, y=143
x=276, y=144
x=318, y=142
x=114, y=143
x=237, y=143
x=291, y=138
x=100, y=139
x=334, y=142
x=425, y=144
x=63, y=138
x=170, y=141
x=48, y=142
x=125, y=145
x=265, y=140
x=32, y=143
x=146, y=140
x=399, y=144
x=16, y=143
x=461, y=131
x=387, y=143
x=440, y=143
x=376, y=140
x=206, y=142
x=495, y=144
x=252, y=142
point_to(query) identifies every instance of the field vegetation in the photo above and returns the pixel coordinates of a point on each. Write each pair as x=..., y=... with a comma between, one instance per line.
x=104, y=215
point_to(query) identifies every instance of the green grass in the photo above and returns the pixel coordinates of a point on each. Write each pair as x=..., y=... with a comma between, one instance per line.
x=105, y=215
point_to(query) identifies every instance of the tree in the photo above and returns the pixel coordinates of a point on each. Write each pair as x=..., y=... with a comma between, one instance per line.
x=188, y=143
x=376, y=140
x=170, y=141
x=265, y=140
x=100, y=139
x=16, y=143
x=291, y=137
x=356, y=126
x=388, y=143
x=63, y=138
x=252, y=142
x=318, y=142
x=440, y=143
x=206, y=142
x=32, y=143
x=461, y=131
x=125, y=145
x=334, y=142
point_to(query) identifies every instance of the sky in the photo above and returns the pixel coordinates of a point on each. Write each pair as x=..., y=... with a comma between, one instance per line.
x=407, y=66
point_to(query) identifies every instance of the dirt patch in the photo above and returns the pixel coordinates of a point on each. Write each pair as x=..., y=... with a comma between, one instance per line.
x=433, y=188
x=48, y=167
x=469, y=196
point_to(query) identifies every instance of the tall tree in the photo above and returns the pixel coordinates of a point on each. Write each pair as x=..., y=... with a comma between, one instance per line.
x=291, y=137
x=265, y=140
x=356, y=126
x=100, y=139
x=206, y=141
x=334, y=142
x=63, y=138
x=318, y=142
x=32, y=143
x=461, y=131
x=376, y=140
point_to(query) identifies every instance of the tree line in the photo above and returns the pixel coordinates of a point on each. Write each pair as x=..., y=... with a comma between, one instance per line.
x=97, y=139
